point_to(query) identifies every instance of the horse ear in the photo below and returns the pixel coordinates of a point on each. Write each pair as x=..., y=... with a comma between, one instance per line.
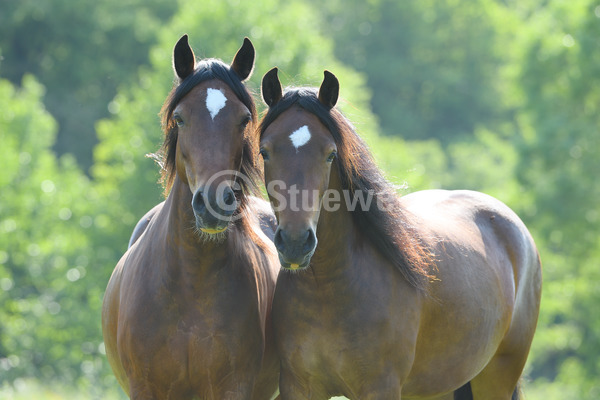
x=184, y=60
x=329, y=90
x=271, y=88
x=243, y=62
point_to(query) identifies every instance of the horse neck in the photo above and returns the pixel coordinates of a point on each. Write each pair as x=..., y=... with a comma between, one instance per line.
x=336, y=236
x=183, y=242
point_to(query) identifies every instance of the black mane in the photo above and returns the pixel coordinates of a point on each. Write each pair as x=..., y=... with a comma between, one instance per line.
x=388, y=228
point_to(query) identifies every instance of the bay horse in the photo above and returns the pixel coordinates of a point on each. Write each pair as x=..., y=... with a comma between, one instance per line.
x=186, y=313
x=434, y=295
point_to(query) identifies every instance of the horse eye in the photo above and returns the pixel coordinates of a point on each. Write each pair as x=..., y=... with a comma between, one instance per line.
x=246, y=121
x=332, y=156
x=178, y=120
x=264, y=154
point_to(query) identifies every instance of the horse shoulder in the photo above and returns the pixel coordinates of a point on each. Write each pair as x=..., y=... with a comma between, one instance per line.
x=110, y=321
x=118, y=295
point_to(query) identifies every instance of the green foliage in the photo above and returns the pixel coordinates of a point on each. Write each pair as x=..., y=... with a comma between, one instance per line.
x=48, y=252
x=430, y=64
x=563, y=108
x=81, y=52
x=559, y=162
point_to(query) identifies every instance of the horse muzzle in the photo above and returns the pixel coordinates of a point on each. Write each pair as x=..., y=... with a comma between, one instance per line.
x=213, y=211
x=295, y=250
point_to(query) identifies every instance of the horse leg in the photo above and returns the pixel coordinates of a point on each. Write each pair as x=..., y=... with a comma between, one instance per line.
x=448, y=396
x=140, y=391
x=464, y=392
x=499, y=379
x=291, y=388
x=386, y=387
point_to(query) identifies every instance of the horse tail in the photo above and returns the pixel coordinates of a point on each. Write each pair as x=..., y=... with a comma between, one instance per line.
x=464, y=392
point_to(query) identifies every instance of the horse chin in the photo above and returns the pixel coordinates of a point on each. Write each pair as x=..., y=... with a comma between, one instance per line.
x=295, y=267
x=213, y=231
x=212, y=234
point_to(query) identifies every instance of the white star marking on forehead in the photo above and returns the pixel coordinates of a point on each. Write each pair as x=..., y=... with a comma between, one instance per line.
x=215, y=101
x=300, y=136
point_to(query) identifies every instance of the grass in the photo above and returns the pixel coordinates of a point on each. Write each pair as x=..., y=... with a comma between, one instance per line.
x=31, y=389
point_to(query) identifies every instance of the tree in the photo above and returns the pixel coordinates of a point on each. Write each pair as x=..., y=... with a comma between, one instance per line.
x=430, y=65
x=48, y=254
x=81, y=52
x=556, y=67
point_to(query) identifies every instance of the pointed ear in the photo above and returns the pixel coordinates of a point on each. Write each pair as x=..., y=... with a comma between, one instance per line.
x=243, y=62
x=184, y=60
x=271, y=88
x=329, y=90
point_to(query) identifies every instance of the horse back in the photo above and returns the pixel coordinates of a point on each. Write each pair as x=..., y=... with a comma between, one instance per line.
x=465, y=221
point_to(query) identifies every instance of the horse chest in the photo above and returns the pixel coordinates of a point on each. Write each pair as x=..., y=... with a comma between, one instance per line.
x=185, y=341
x=343, y=341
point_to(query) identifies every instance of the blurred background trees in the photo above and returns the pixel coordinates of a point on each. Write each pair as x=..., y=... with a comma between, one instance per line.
x=431, y=64
x=496, y=96
x=81, y=52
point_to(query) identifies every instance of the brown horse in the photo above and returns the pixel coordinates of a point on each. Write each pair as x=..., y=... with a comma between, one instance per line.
x=187, y=310
x=435, y=295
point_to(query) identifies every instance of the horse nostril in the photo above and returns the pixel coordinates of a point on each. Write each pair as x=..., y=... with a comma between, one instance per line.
x=311, y=241
x=278, y=241
x=226, y=202
x=198, y=202
x=229, y=198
